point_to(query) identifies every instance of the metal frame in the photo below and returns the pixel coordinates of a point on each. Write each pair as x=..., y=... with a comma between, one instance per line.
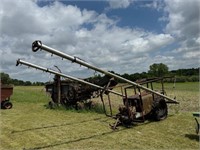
x=19, y=61
x=103, y=89
x=140, y=93
x=37, y=45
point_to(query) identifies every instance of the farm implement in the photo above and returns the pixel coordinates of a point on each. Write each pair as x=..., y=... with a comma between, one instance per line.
x=6, y=92
x=145, y=103
x=69, y=92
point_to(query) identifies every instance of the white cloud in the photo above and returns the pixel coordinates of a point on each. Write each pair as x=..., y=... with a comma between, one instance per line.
x=86, y=34
x=154, y=4
x=192, y=54
x=114, y=4
x=182, y=20
x=183, y=24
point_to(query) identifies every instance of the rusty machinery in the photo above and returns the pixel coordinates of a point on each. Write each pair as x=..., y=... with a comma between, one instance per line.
x=6, y=92
x=145, y=103
x=73, y=90
x=70, y=93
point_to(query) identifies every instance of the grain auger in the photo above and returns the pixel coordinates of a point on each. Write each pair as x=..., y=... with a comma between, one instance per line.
x=144, y=104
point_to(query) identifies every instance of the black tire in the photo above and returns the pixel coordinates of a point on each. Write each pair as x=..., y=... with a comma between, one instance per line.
x=197, y=126
x=159, y=110
x=71, y=94
x=7, y=105
x=51, y=105
x=70, y=99
x=2, y=104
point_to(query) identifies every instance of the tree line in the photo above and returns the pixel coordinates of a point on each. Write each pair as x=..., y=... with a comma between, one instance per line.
x=5, y=79
x=161, y=70
x=155, y=70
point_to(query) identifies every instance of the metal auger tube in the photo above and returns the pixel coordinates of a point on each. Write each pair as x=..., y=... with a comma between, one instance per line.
x=37, y=45
x=63, y=75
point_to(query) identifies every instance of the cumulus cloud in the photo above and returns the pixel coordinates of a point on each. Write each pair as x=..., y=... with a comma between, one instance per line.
x=149, y=42
x=154, y=4
x=183, y=24
x=94, y=37
x=183, y=18
x=114, y=4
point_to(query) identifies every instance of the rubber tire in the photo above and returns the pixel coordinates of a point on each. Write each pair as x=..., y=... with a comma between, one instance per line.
x=7, y=105
x=70, y=99
x=159, y=110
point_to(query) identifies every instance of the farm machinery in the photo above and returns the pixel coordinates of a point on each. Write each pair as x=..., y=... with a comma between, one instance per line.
x=72, y=90
x=145, y=103
x=70, y=93
x=6, y=92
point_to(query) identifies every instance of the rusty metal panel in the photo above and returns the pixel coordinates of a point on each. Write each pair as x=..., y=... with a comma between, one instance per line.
x=6, y=92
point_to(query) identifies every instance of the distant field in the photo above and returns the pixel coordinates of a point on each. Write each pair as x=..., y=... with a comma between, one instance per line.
x=31, y=125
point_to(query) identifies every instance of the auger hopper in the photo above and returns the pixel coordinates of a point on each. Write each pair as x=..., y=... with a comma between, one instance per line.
x=145, y=103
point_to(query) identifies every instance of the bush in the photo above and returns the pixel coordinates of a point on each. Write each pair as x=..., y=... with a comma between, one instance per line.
x=183, y=79
x=193, y=79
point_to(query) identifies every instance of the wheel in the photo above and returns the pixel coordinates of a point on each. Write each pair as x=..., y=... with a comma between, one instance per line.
x=50, y=104
x=65, y=102
x=70, y=98
x=7, y=105
x=71, y=94
x=197, y=126
x=159, y=110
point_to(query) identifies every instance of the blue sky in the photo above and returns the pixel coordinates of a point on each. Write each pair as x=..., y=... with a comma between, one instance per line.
x=125, y=36
x=136, y=15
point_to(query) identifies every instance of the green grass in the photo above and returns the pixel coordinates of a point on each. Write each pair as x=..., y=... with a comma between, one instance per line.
x=31, y=125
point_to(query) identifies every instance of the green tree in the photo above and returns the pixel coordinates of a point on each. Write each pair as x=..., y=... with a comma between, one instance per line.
x=27, y=83
x=158, y=70
x=5, y=78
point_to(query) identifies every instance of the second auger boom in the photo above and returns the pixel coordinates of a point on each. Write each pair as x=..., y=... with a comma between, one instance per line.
x=146, y=103
x=73, y=90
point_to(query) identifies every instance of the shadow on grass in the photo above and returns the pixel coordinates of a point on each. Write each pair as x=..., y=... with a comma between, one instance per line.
x=54, y=126
x=97, y=109
x=193, y=137
x=76, y=140
x=134, y=124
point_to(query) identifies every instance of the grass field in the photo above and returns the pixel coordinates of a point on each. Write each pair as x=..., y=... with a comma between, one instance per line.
x=31, y=125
